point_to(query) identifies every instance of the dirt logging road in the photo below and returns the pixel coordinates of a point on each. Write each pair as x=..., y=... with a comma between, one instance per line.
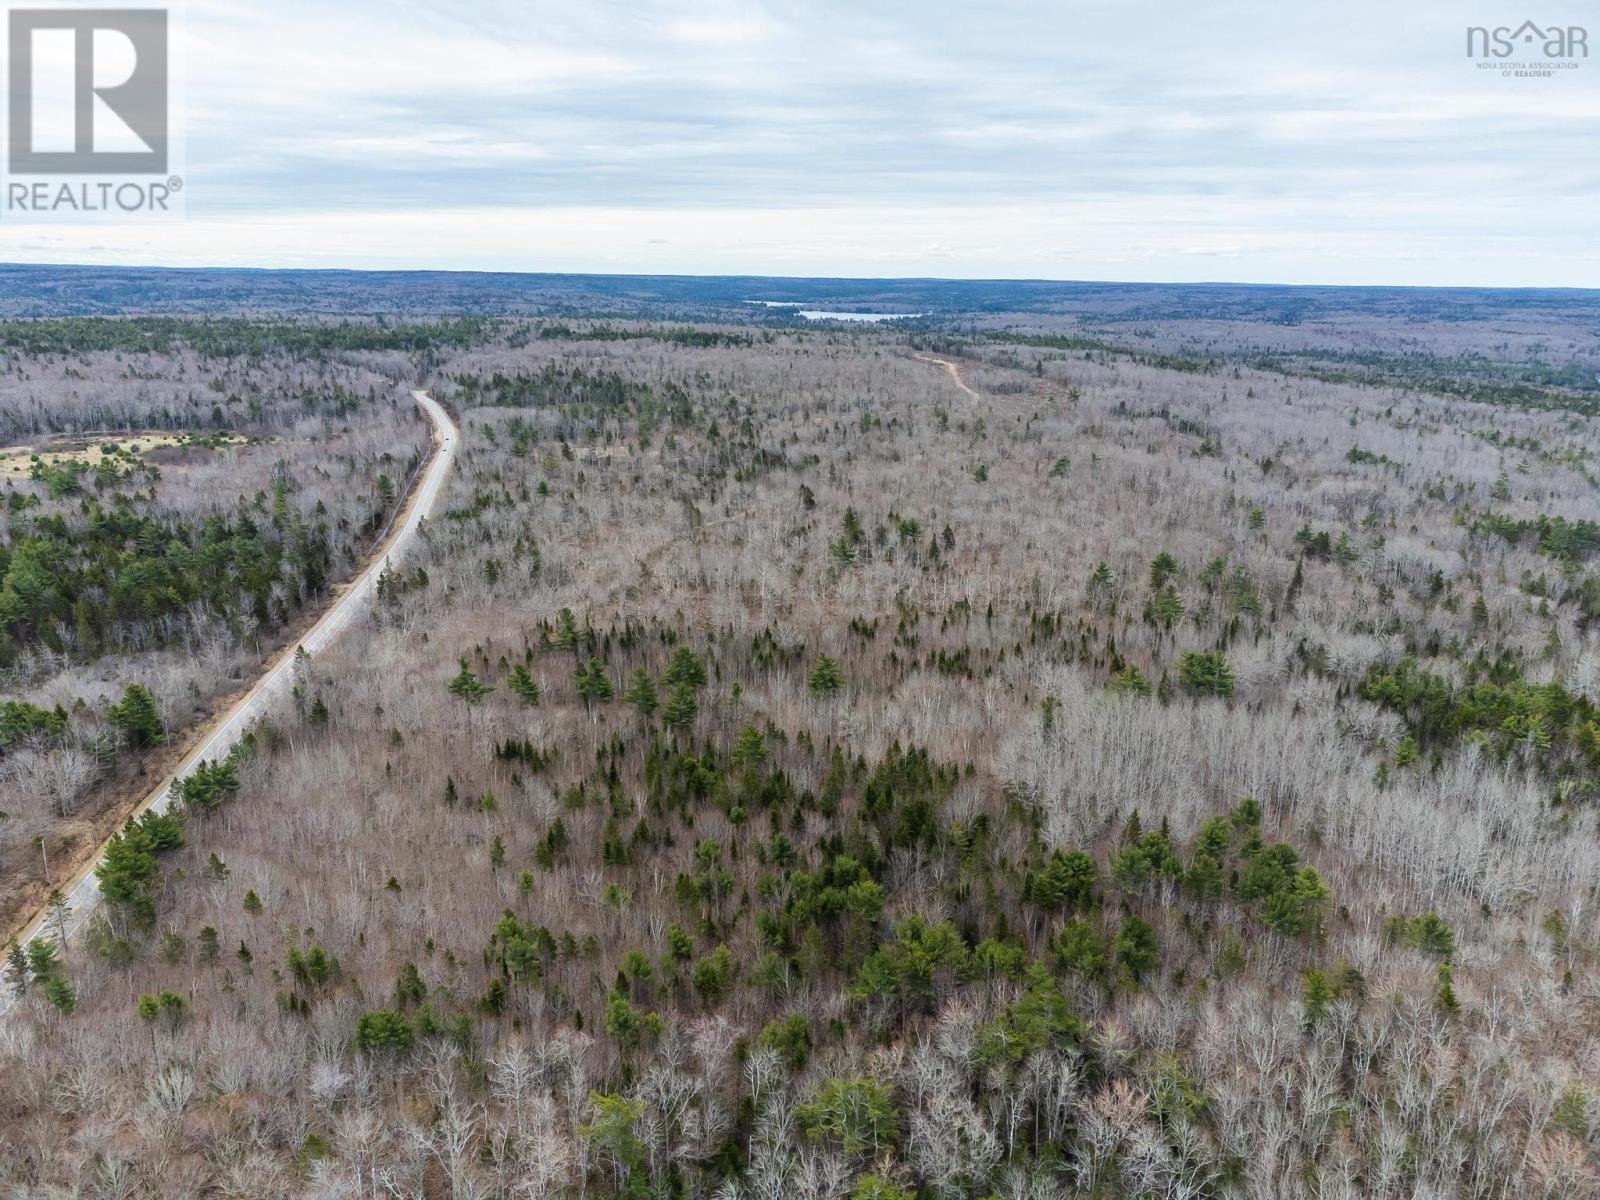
x=951, y=369
x=82, y=890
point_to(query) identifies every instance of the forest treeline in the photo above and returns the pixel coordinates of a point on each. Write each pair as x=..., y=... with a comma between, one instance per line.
x=152, y=573
x=778, y=772
x=229, y=337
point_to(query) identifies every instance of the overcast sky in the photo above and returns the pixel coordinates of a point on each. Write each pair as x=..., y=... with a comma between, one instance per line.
x=1349, y=142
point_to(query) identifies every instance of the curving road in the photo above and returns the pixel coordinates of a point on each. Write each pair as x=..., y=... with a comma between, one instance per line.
x=951, y=369
x=83, y=893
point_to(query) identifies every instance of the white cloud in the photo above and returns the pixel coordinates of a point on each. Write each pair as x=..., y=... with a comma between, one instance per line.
x=1306, y=143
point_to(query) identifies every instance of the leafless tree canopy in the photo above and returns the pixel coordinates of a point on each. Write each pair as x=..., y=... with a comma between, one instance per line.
x=1163, y=770
x=325, y=447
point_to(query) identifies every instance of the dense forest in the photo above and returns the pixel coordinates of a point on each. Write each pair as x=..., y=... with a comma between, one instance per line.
x=165, y=525
x=849, y=763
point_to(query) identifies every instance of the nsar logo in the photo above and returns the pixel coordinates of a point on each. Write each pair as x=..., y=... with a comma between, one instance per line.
x=1554, y=41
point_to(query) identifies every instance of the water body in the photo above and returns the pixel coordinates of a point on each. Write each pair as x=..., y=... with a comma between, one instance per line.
x=817, y=314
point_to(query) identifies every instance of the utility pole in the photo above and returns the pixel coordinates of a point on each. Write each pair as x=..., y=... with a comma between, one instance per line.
x=59, y=909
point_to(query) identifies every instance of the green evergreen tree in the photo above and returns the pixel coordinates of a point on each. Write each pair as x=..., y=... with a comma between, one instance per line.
x=523, y=685
x=856, y=1116
x=683, y=668
x=790, y=1037
x=466, y=687
x=1101, y=583
x=136, y=716
x=1067, y=881
x=169, y=1008
x=17, y=965
x=611, y=1132
x=409, y=989
x=1206, y=674
x=594, y=685
x=750, y=750
x=383, y=1031
x=42, y=959
x=1297, y=908
x=1449, y=1005
x=1129, y=681
x=61, y=995
x=567, y=635
x=1316, y=995
x=1135, y=948
x=1163, y=567
x=1166, y=608
x=641, y=692
x=712, y=976
x=824, y=679
x=681, y=708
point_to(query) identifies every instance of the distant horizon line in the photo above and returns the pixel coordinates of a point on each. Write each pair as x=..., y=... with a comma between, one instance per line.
x=6, y=265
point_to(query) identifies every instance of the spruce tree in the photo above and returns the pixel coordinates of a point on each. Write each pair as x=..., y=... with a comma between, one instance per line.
x=567, y=636
x=135, y=715
x=685, y=668
x=750, y=751
x=1162, y=568
x=61, y=995
x=593, y=683
x=17, y=963
x=824, y=678
x=681, y=708
x=641, y=692
x=523, y=685
x=466, y=687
